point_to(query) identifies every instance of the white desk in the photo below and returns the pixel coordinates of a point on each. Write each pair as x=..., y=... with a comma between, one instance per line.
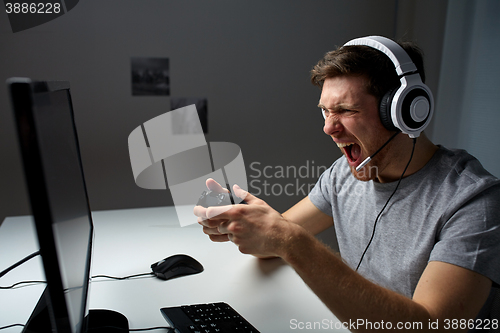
x=267, y=293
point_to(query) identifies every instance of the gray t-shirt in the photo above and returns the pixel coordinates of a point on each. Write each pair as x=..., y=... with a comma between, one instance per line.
x=448, y=211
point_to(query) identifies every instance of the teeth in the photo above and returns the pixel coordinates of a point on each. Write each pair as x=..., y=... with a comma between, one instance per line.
x=342, y=145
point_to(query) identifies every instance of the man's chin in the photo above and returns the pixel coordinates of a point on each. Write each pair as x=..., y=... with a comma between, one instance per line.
x=367, y=173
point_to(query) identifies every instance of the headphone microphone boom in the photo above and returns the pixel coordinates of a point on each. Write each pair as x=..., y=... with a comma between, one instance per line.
x=369, y=158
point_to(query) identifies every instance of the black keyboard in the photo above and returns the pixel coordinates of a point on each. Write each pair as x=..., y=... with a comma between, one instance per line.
x=207, y=318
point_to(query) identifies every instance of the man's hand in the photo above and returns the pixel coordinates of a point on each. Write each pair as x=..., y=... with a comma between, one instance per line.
x=255, y=228
x=210, y=226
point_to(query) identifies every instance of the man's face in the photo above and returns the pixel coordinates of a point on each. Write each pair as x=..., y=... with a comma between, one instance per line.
x=353, y=122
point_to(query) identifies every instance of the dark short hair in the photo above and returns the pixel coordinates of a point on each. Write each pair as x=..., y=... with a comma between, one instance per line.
x=364, y=60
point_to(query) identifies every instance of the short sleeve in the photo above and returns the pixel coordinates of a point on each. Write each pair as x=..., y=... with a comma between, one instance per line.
x=321, y=194
x=470, y=238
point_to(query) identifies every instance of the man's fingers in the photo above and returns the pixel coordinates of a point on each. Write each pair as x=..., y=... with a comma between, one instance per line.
x=241, y=193
x=222, y=228
x=209, y=213
x=218, y=211
x=211, y=231
x=213, y=186
x=200, y=212
x=210, y=223
x=219, y=238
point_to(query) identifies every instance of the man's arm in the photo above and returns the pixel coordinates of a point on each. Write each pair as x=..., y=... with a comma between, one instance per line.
x=444, y=291
x=307, y=215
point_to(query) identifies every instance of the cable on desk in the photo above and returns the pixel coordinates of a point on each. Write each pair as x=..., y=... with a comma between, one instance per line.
x=151, y=329
x=20, y=262
x=9, y=326
x=95, y=276
x=122, y=278
x=22, y=282
x=130, y=329
x=34, y=254
x=170, y=329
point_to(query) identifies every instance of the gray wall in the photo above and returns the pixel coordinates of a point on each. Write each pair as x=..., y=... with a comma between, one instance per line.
x=468, y=116
x=251, y=59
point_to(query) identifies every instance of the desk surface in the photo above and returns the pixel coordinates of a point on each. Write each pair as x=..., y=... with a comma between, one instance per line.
x=268, y=293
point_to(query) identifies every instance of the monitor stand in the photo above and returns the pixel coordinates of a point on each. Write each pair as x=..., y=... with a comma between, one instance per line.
x=97, y=321
x=39, y=320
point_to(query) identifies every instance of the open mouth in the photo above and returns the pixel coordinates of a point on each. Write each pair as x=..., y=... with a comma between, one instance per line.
x=352, y=151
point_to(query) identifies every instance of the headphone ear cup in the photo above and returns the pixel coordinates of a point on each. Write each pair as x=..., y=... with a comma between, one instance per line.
x=385, y=110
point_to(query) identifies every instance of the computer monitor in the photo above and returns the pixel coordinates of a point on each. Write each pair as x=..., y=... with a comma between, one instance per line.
x=59, y=203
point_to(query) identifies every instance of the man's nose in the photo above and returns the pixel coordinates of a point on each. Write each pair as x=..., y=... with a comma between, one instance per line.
x=332, y=125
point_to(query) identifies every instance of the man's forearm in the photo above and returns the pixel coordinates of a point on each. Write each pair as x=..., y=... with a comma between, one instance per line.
x=346, y=293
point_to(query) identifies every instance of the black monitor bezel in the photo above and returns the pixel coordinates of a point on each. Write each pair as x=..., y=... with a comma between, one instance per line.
x=22, y=92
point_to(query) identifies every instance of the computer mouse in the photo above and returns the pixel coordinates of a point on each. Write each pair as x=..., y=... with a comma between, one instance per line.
x=176, y=266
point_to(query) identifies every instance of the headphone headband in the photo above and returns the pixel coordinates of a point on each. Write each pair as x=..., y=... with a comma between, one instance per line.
x=401, y=60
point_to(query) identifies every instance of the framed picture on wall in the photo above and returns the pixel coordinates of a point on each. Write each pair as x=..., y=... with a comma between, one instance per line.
x=150, y=76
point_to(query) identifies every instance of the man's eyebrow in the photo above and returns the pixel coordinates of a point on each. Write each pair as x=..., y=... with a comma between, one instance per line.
x=340, y=107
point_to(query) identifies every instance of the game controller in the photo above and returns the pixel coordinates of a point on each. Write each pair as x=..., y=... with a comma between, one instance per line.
x=209, y=199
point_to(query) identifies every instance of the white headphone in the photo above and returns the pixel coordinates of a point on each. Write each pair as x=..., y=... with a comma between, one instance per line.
x=410, y=106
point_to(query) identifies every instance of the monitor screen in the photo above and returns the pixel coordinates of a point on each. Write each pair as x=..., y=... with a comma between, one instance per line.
x=58, y=197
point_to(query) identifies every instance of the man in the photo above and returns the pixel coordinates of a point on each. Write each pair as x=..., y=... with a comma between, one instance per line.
x=434, y=253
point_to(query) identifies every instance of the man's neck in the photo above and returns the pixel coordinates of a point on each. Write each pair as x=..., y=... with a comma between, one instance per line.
x=424, y=150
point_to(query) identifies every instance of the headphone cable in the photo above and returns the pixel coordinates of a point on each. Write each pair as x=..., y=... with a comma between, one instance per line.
x=386, y=203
